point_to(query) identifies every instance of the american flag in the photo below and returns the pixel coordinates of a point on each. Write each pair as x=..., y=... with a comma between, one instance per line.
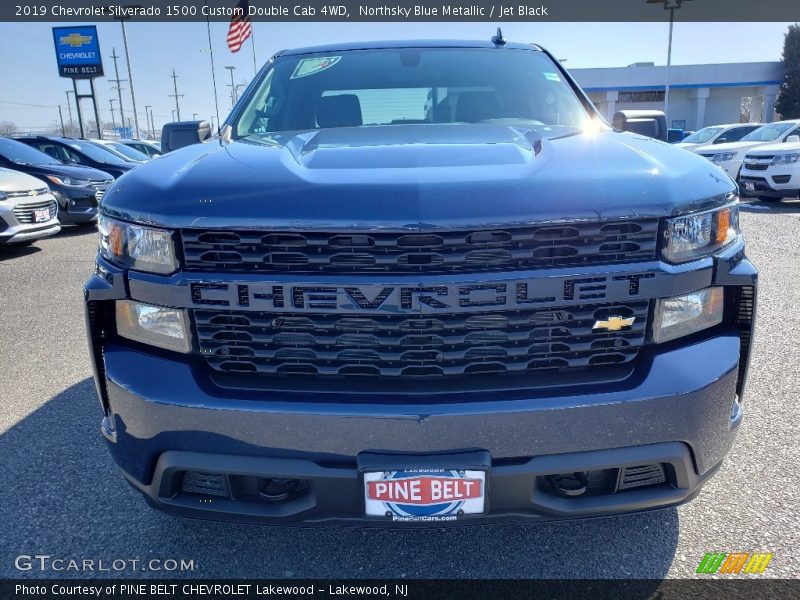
x=240, y=28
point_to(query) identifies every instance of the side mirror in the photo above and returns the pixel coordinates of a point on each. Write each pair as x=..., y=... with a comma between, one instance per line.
x=793, y=139
x=651, y=123
x=184, y=133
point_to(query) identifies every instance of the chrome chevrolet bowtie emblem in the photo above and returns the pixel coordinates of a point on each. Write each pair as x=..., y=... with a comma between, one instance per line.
x=614, y=323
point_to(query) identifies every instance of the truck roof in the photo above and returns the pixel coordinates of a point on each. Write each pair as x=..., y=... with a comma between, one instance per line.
x=342, y=47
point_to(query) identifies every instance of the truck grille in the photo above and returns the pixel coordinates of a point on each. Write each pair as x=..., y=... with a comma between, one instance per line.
x=390, y=345
x=429, y=252
x=100, y=187
x=26, y=193
x=24, y=213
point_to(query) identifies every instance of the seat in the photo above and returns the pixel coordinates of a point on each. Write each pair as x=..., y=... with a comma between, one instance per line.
x=477, y=106
x=343, y=110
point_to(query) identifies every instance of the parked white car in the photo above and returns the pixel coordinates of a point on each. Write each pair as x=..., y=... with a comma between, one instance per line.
x=28, y=211
x=772, y=171
x=730, y=156
x=718, y=134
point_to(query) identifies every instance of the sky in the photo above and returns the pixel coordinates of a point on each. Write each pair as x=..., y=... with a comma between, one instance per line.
x=33, y=90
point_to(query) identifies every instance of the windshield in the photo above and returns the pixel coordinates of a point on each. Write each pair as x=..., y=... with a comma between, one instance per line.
x=22, y=154
x=129, y=152
x=362, y=88
x=768, y=133
x=702, y=136
x=97, y=152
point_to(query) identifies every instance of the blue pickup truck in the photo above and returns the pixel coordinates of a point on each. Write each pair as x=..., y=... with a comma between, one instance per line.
x=419, y=282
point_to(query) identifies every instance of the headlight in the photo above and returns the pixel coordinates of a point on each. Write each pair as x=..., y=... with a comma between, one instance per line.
x=699, y=234
x=153, y=325
x=68, y=181
x=723, y=156
x=786, y=159
x=681, y=315
x=137, y=247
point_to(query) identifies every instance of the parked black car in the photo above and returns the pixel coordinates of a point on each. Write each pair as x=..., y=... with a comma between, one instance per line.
x=79, y=152
x=77, y=189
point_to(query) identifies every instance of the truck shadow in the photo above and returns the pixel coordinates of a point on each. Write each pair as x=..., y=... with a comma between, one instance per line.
x=62, y=496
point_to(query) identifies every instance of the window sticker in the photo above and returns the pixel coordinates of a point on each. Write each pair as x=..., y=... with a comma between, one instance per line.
x=551, y=76
x=312, y=66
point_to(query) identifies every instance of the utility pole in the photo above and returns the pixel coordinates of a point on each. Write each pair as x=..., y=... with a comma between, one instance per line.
x=130, y=74
x=111, y=104
x=61, y=118
x=118, y=81
x=232, y=85
x=176, y=95
x=69, y=108
x=153, y=123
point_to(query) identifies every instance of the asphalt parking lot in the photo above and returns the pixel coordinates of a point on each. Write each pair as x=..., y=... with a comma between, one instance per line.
x=61, y=495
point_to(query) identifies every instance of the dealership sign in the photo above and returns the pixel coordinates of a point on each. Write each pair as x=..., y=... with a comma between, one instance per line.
x=78, y=52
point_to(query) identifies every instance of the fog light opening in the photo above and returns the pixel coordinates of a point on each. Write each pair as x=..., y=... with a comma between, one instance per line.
x=569, y=484
x=279, y=490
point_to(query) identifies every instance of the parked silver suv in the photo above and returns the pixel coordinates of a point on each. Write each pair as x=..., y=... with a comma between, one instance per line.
x=28, y=211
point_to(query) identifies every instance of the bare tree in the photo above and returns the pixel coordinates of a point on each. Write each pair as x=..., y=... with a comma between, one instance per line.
x=746, y=110
x=7, y=128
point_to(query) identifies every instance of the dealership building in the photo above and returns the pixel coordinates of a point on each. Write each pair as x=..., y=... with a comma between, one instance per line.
x=699, y=95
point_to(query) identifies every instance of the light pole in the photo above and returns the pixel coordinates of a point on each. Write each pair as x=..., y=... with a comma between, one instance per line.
x=150, y=125
x=671, y=6
x=69, y=107
x=61, y=118
x=113, y=122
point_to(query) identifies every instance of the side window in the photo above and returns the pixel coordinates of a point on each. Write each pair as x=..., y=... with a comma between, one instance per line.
x=795, y=131
x=737, y=133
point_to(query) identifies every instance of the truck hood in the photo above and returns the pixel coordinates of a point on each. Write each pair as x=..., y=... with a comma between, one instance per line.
x=780, y=147
x=15, y=181
x=729, y=147
x=76, y=172
x=415, y=175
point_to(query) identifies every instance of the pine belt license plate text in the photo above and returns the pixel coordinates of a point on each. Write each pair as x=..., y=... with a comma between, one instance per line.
x=40, y=215
x=416, y=495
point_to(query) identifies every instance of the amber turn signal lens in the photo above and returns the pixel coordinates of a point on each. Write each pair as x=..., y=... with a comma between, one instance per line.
x=723, y=224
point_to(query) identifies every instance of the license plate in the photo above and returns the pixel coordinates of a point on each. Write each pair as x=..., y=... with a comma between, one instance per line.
x=424, y=494
x=749, y=186
x=41, y=214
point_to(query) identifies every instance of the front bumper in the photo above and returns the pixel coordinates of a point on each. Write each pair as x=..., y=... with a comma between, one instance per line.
x=12, y=231
x=76, y=206
x=678, y=407
x=774, y=183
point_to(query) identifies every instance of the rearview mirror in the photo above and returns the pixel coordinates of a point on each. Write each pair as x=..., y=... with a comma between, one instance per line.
x=184, y=133
x=721, y=140
x=793, y=139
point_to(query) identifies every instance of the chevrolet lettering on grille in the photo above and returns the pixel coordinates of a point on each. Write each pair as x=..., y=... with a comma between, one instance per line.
x=414, y=299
